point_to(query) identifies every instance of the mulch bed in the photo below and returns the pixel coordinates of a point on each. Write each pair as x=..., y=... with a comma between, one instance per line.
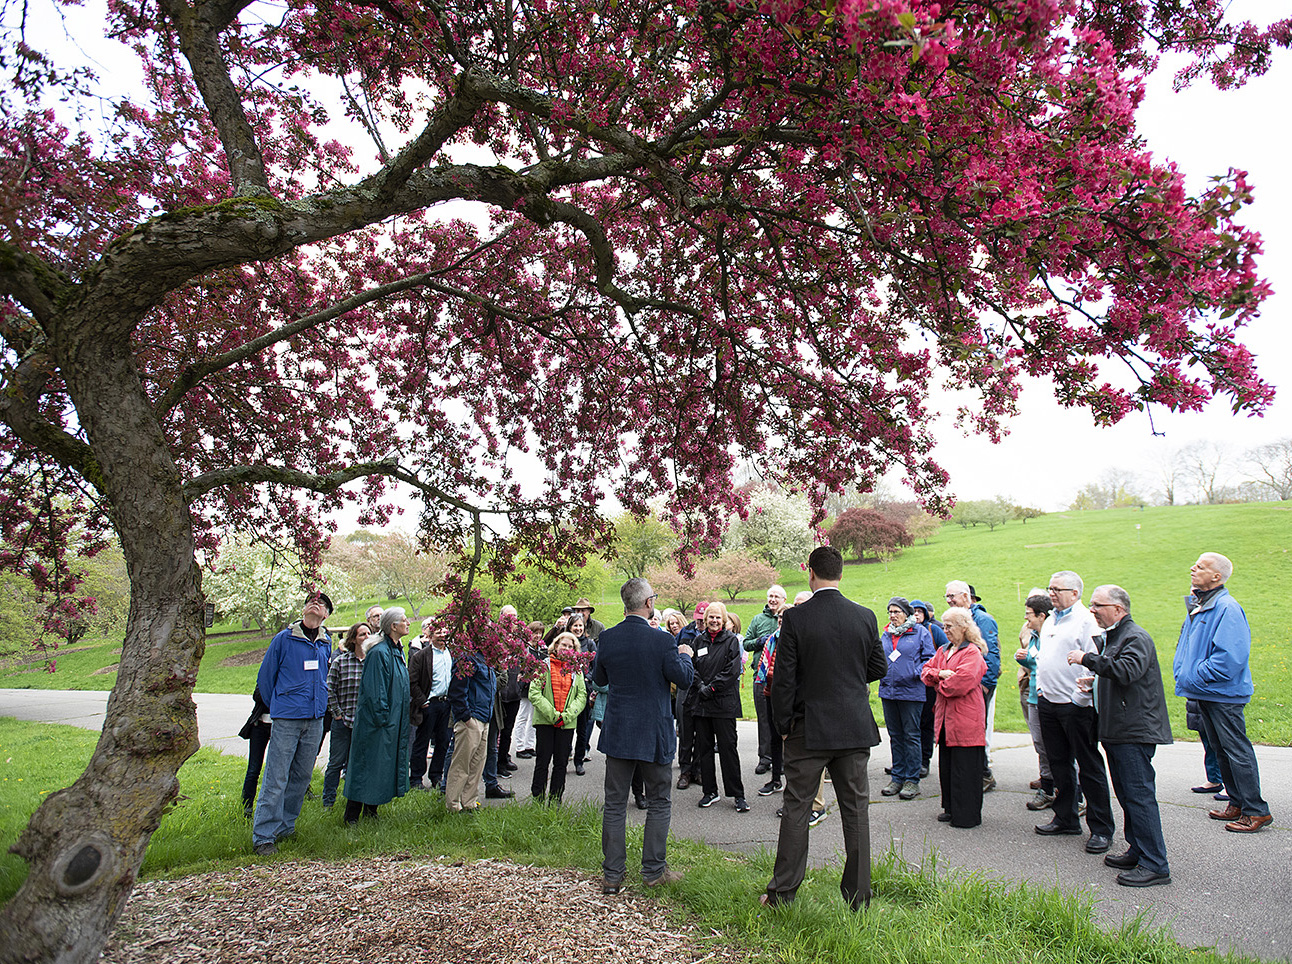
x=251, y=657
x=400, y=909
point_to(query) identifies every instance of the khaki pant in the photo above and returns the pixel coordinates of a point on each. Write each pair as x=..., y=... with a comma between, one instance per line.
x=462, y=787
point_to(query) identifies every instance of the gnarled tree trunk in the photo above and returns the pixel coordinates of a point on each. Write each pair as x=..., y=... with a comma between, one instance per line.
x=85, y=844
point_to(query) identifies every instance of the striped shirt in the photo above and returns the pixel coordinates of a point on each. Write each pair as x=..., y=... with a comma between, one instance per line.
x=343, y=678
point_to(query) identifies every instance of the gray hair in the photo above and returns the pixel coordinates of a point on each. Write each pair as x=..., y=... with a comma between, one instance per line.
x=1116, y=594
x=778, y=587
x=391, y=616
x=958, y=586
x=634, y=593
x=1221, y=564
x=1072, y=580
x=802, y=596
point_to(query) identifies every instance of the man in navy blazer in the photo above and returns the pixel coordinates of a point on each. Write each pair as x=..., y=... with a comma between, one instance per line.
x=638, y=663
x=828, y=654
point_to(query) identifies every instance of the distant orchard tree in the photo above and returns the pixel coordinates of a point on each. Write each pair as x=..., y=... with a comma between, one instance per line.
x=640, y=543
x=777, y=527
x=922, y=526
x=988, y=512
x=682, y=592
x=1026, y=512
x=264, y=585
x=860, y=530
x=1271, y=468
x=735, y=572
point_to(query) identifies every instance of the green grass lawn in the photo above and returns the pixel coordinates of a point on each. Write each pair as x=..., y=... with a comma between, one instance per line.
x=920, y=913
x=1147, y=552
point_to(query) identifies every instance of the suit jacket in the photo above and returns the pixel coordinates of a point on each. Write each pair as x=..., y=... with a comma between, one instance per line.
x=828, y=652
x=638, y=663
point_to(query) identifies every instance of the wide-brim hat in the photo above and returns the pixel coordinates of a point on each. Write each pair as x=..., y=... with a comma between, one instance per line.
x=584, y=604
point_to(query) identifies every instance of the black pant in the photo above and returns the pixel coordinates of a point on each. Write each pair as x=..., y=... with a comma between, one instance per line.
x=960, y=776
x=551, y=746
x=441, y=717
x=509, y=710
x=419, y=742
x=258, y=743
x=926, y=725
x=777, y=746
x=763, y=710
x=686, y=759
x=1069, y=733
x=354, y=807
x=721, y=729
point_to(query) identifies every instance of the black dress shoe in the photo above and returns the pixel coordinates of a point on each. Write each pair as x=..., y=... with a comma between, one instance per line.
x=578, y=769
x=762, y=768
x=684, y=781
x=1098, y=843
x=525, y=754
x=640, y=801
x=499, y=793
x=1051, y=829
x=944, y=817
x=1142, y=877
x=1121, y=861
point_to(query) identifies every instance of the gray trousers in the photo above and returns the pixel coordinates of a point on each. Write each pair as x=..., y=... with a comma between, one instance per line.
x=658, y=779
x=803, y=768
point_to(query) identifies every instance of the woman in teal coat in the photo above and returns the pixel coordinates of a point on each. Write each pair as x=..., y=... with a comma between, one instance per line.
x=377, y=771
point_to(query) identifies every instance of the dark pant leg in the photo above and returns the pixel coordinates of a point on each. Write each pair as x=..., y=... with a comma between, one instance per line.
x=1209, y=761
x=1083, y=737
x=764, y=727
x=1226, y=728
x=614, y=819
x=777, y=747
x=441, y=736
x=802, y=778
x=1058, y=751
x=544, y=744
x=702, y=728
x=960, y=771
x=852, y=797
x=583, y=735
x=561, y=741
x=418, y=746
x=490, y=773
x=639, y=783
x=337, y=757
x=509, y=710
x=1135, y=783
x=927, y=741
x=686, y=761
x=724, y=730
x=256, y=747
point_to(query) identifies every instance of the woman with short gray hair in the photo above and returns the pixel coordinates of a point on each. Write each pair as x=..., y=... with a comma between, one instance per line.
x=377, y=771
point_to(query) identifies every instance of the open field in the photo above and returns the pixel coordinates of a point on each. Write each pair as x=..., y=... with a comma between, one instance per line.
x=1147, y=552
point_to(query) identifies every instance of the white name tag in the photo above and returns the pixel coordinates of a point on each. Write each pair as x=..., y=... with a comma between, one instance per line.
x=894, y=656
x=702, y=651
x=311, y=664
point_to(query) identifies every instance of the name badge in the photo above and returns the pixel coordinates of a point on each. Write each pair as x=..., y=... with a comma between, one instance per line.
x=311, y=664
x=703, y=650
x=894, y=656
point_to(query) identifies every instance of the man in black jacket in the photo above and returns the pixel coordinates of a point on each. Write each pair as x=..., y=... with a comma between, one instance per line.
x=828, y=653
x=1131, y=706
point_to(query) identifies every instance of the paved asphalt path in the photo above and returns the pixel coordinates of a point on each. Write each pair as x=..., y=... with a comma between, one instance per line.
x=1230, y=891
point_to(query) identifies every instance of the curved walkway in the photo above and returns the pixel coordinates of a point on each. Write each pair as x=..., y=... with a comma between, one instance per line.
x=1230, y=891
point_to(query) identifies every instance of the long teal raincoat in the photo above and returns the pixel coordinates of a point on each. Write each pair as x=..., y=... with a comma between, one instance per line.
x=377, y=771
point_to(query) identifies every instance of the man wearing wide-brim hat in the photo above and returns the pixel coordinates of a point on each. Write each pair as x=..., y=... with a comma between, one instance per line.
x=593, y=627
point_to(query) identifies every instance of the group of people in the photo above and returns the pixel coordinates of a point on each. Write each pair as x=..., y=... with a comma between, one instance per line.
x=659, y=685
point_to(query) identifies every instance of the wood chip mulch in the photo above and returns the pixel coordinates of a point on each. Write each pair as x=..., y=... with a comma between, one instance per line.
x=401, y=909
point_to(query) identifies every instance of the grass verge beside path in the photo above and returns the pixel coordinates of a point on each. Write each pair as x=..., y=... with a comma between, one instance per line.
x=919, y=913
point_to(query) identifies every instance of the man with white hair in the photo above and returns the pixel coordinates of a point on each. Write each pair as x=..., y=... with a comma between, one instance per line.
x=1212, y=667
x=960, y=593
x=760, y=627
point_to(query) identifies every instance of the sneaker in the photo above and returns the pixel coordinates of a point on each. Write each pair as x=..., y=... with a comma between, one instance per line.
x=780, y=812
x=668, y=877
x=892, y=789
x=1040, y=800
x=708, y=800
x=1081, y=809
x=525, y=754
x=910, y=790
x=924, y=771
x=266, y=849
x=1035, y=784
x=770, y=787
x=816, y=817
x=988, y=783
x=741, y=805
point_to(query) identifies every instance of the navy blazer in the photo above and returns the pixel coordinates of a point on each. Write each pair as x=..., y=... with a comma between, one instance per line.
x=638, y=663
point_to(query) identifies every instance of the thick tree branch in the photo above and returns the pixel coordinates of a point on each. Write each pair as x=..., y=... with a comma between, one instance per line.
x=198, y=28
x=32, y=283
x=20, y=411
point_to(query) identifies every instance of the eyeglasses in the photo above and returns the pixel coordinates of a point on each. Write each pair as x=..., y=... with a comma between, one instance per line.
x=1095, y=605
x=1058, y=589
x=951, y=595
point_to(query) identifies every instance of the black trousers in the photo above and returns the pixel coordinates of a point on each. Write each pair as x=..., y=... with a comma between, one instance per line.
x=927, y=742
x=551, y=747
x=1070, y=733
x=686, y=759
x=509, y=710
x=258, y=743
x=721, y=729
x=763, y=710
x=960, y=776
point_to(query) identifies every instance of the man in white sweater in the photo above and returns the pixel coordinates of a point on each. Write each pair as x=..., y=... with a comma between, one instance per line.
x=1065, y=704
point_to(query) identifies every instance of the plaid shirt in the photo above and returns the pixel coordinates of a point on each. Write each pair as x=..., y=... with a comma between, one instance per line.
x=343, y=678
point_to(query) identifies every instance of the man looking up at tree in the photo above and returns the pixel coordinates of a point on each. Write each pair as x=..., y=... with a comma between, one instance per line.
x=760, y=627
x=1213, y=666
x=293, y=680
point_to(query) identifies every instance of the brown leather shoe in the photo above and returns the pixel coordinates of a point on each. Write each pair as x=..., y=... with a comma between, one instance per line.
x=684, y=781
x=668, y=877
x=1230, y=812
x=1249, y=823
x=1035, y=784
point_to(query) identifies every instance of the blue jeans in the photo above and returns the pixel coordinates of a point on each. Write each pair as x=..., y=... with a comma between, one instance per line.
x=338, y=755
x=1225, y=728
x=614, y=818
x=902, y=720
x=289, y=765
x=1131, y=767
x=1209, y=761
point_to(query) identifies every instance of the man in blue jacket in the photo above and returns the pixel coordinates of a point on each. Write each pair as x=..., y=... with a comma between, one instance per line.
x=293, y=679
x=471, y=696
x=1212, y=666
x=638, y=663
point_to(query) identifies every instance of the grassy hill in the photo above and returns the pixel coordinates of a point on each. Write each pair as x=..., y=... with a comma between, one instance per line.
x=1148, y=552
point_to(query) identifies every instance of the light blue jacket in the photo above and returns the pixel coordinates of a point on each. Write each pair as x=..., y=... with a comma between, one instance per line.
x=1213, y=656
x=293, y=674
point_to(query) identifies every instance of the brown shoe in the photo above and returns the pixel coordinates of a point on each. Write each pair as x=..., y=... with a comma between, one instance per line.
x=1249, y=823
x=668, y=877
x=1230, y=812
x=1035, y=784
x=684, y=781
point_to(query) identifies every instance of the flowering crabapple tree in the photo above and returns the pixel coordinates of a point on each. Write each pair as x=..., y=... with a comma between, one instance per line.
x=240, y=295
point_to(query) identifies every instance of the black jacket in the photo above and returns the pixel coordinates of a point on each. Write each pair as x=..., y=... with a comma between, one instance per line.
x=1130, y=700
x=827, y=654
x=715, y=691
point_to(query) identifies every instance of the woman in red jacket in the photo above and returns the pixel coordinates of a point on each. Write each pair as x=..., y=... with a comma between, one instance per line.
x=959, y=717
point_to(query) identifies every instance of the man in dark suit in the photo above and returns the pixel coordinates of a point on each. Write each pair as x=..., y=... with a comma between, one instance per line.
x=638, y=663
x=829, y=651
